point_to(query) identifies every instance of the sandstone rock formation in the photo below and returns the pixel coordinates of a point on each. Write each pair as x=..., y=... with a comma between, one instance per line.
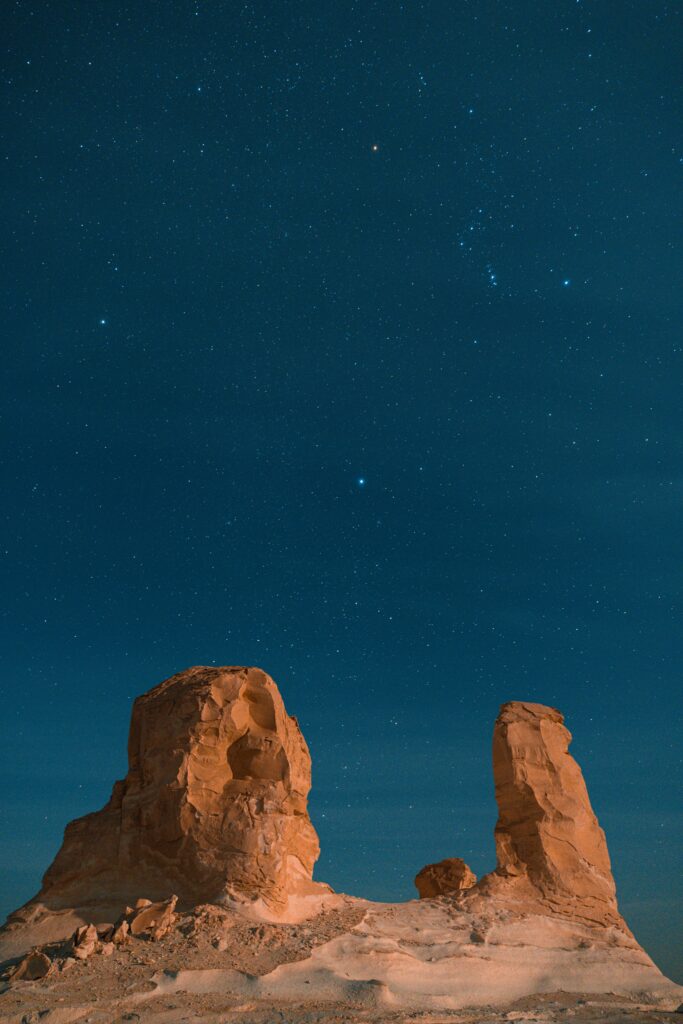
x=448, y=876
x=213, y=806
x=547, y=836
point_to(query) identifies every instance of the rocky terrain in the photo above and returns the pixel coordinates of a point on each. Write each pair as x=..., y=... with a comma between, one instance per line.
x=190, y=895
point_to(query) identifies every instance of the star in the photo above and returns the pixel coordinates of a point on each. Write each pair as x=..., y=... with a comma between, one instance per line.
x=103, y=322
x=361, y=481
x=375, y=147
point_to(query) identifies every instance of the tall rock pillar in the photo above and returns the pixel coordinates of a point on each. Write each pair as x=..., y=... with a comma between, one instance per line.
x=546, y=829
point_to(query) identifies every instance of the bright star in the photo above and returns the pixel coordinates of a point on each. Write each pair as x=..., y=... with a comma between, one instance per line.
x=566, y=282
x=361, y=481
x=374, y=147
x=103, y=323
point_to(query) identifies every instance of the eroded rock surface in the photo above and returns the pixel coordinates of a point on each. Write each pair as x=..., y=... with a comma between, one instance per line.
x=449, y=875
x=547, y=834
x=213, y=806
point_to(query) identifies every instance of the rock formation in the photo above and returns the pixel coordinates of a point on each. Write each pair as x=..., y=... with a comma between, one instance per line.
x=213, y=806
x=547, y=836
x=213, y=809
x=448, y=876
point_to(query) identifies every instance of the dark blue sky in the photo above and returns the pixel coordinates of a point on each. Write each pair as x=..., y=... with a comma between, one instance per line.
x=345, y=340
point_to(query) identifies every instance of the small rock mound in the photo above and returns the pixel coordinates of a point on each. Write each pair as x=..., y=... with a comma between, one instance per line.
x=147, y=920
x=33, y=966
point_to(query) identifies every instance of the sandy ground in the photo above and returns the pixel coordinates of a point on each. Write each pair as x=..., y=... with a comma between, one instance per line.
x=72, y=1002
x=100, y=988
x=219, y=966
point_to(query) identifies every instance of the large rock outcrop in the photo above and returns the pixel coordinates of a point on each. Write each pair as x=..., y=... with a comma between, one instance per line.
x=548, y=839
x=213, y=807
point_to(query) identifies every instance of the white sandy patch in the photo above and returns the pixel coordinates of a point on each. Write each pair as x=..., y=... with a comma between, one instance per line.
x=299, y=908
x=418, y=955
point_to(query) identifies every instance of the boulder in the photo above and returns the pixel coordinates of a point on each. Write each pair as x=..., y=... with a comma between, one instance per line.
x=85, y=941
x=120, y=932
x=155, y=920
x=33, y=966
x=448, y=876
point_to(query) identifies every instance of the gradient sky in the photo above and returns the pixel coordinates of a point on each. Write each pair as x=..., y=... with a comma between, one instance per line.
x=344, y=339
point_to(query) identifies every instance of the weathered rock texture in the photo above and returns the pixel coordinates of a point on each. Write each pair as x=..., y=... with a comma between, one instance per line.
x=547, y=834
x=213, y=806
x=450, y=875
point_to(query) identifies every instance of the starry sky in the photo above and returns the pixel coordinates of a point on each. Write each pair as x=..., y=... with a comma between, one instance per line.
x=344, y=340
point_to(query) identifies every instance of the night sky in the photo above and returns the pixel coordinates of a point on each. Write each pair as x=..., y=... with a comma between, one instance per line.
x=343, y=339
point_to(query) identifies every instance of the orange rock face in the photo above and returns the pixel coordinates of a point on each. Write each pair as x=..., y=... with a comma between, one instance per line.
x=448, y=876
x=547, y=832
x=213, y=806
